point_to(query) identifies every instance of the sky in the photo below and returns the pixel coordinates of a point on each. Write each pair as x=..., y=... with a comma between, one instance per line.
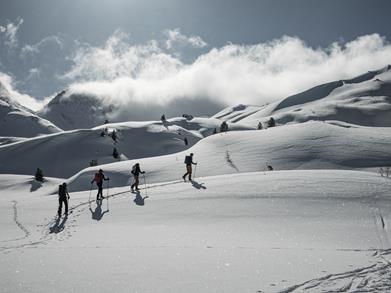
x=155, y=52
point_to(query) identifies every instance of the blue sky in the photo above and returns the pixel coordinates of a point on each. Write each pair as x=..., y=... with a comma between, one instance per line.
x=48, y=45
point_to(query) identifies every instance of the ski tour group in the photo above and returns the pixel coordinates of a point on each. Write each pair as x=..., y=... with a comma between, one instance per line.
x=63, y=195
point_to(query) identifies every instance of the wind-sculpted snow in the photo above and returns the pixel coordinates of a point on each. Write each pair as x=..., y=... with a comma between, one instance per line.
x=364, y=100
x=66, y=153
x=373, y=278
x=311, y=145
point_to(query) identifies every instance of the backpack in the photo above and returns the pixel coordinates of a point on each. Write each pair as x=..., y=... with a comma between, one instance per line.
x=133, y=169
x=61, y=191
x=97, y=178
x=188, y=160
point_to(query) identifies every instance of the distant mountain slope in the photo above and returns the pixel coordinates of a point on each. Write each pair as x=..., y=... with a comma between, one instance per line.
x=71, y=111
x=364, y=100
x=64, y=154
x=18, y=121
x=310, y=145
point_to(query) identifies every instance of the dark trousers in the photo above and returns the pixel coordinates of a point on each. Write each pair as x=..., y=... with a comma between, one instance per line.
x=60, y=201
x=136, y=182
x=189, y=170
x=100, y=190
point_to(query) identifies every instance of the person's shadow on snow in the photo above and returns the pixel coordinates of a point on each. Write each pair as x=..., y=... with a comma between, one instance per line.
x=198, y=185
x=97, y=214
x=35, y=185
x=58, y=225
x=139, y=200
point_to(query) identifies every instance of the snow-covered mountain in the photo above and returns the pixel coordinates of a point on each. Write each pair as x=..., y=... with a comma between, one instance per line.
x=310, y=145
x=19, y=121
x=364, y=100
x=63, y=154
x=75, y=111
x=237, y=227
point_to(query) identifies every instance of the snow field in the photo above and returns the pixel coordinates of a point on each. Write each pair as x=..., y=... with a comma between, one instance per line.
x=247, y=232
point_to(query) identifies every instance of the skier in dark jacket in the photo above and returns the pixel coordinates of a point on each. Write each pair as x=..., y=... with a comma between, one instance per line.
x=136, y=173
x=189, y=169
x=63, y=197
x=99, y=177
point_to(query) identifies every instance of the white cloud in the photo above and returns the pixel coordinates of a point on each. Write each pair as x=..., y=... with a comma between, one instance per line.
x=7, y=83
x=175, y=37
x=142, y=77
x=9, y=32
x=232, y=74
x=28, y=49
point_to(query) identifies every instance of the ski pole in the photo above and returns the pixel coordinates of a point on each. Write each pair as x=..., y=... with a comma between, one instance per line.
x=131, y=183
x=195, y=169
x=107, y=203
x=89, y=197
x=145, y=183
x=108, y=187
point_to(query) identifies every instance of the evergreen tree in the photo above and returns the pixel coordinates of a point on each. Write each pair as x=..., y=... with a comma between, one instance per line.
x=224, y=127
x=114, y=135
x=115, y=153
x=271, y=122
x=39, y=175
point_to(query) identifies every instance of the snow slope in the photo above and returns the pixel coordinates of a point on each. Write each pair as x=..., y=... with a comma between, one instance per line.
x=310, y=145
x=71, y=111
x=282, y=231
x=64, y=154
x=18, y=121
x=364, y=100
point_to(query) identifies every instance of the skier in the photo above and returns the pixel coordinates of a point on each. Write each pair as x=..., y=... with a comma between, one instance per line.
x=189, y=163
x=99, y=177
x=136, y=172
x=63, y=197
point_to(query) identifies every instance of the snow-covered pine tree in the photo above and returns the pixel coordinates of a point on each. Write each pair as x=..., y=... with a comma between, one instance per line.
x=115, y=153
x=39, y=175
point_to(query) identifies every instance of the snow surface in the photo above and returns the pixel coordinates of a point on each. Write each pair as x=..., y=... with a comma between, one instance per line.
x=318, y=223
x=284, y=231
x=310, y=145
x=364, y=100
x=66, y=153
x=63, y=154
x=18, y=121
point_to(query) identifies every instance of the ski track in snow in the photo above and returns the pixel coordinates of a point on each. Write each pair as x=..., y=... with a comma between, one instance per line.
x=57, y=229
x=374, y=278
x=18, y=224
